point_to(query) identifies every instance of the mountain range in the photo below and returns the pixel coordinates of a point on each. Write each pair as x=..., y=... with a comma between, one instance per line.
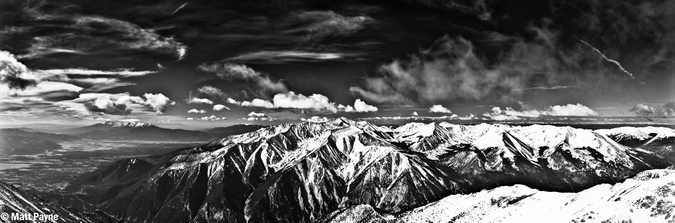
x=25, y=141
x=316, y=171
x=125, y=130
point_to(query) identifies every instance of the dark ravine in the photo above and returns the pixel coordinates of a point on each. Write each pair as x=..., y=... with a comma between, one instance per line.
x=304, y=172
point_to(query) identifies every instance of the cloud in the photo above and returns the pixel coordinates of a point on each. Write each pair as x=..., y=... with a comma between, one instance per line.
x=158, y=102
x=315, y=102
x=439, y=109
x=420, y=118
x=454, y=72
x=258, y=103
x=41, y=89
x=315, y=119
x=212, y=91
x=18, y=77
x=196, y=111
x=120, y=104
x=234, y=102
x=258, y=116
x=327, y=23
x=87, y=72
x=453, y=69
x=292, y=100
x=220, y=107
x=301, y=35
x=95, y=35
x=231, y=71
x=106, y=105
x=666, y=110
x=361, y=106
x=32, y=108
x=196, y=100
x=508, y=113
x=91, y=80
x=15, y=74
x=285, y=56
x=207, y=118
x=571, y=110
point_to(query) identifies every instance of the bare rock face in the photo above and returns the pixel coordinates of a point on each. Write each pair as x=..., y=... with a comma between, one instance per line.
x=13, y=200
x=313, y=171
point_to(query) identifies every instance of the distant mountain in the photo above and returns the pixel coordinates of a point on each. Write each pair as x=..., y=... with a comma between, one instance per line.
x=647, y=197
x=134, y=130
x=13, y=200
x=304, y=172
x=22, y=142
x=40, y=127
x=233, y=130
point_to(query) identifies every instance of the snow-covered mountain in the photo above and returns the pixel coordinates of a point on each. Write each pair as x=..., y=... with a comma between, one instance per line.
x=135, y=130
x=639, y=137
x=303, y=172
x=647, y=197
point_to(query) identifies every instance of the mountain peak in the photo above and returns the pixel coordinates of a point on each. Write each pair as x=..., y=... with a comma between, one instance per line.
x=127, y=123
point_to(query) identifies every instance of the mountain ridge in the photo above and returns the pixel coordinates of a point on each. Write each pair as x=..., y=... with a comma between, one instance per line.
x=301, y=172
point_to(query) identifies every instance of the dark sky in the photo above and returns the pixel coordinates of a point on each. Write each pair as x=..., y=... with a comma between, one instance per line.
x=71, y=60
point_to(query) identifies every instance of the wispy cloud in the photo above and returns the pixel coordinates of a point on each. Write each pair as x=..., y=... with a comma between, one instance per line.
x=87, y=72
x=453, y=69
x=230, y=71
x=286, y=56
x=75, y=36
x=665, y=110
x=212, y=92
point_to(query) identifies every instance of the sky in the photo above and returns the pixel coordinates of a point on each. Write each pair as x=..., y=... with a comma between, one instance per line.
x=209, y=63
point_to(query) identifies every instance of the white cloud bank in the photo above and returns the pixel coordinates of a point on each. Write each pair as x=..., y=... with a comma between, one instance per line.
x=557, y=110
x=439, y=109
x=121, y=103
x=316, y=102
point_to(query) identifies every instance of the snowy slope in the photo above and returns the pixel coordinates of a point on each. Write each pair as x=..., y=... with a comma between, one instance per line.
x=647, y=197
